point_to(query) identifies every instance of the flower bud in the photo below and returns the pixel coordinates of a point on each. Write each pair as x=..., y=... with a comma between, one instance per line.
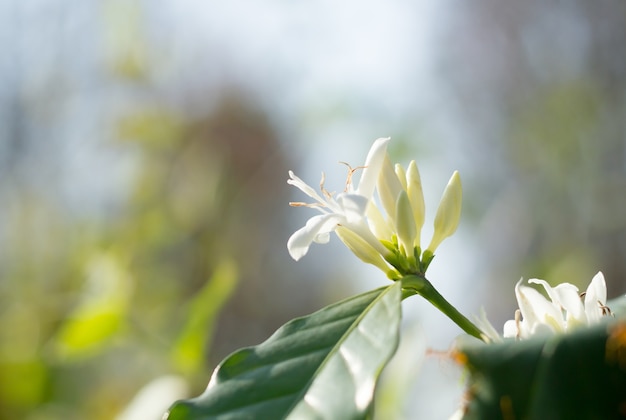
x=401, y=174
x=361, y=248
x=389, y=187
x=416, y=198
x=448, y=213
x=405, y=223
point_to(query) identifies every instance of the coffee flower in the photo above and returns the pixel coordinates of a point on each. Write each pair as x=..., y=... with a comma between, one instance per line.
x=346, y=209
x=565, y=309
x=387, y=236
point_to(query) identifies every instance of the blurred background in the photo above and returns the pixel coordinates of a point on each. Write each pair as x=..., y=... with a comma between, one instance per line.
x=144, y=150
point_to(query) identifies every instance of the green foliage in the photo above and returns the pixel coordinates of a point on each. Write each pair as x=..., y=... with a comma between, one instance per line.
x=97, y=307
x=324, y=365
x=581, y=374
x=101, y=313
x=190, y=349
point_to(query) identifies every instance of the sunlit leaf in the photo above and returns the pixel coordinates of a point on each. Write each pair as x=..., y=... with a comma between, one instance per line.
x=322, y=366
x=22, y=382
x=189, y=350
x=89, y=329
x=101, y=312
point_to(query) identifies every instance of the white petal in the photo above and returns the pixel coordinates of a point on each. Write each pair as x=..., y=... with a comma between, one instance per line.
x=353, y=206
x=322, y=238
x=377, y=223
x=595, y=296
x=316, y=229
x=304, y=187
x=564, y=296
x=570, y=300
x=524, y=303
x=373, y=165
x=536, y=309
x=546, y=286
x=510, y=329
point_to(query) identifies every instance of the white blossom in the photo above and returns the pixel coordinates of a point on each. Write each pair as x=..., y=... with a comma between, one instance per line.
x=563, y=310
x=387, y=235
x=346, y=209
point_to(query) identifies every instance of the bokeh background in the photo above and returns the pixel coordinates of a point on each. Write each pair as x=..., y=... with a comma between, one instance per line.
x=144, y=149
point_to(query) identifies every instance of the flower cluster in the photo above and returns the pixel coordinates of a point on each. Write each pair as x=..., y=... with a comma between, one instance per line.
x=565, y=309
x=387, y=236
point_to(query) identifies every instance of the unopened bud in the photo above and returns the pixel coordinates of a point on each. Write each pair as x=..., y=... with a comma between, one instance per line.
x=361, y=248
x=416, y=197
x=405, y=223
x=448, y=213
x=389, y=187
x=401, y=174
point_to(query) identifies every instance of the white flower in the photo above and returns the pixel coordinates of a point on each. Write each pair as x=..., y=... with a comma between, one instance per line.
x=385, y=236
x=346, y=209
x=564, y=310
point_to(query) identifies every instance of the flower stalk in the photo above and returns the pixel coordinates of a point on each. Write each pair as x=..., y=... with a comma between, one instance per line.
x=419, y=285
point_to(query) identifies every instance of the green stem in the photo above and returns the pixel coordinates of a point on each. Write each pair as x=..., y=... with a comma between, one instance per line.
x=414, y=284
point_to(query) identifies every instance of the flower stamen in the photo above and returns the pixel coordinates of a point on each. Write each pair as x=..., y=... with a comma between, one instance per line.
x=605, y=309
x=302, y=204
x=324, y=191
x=351, y=172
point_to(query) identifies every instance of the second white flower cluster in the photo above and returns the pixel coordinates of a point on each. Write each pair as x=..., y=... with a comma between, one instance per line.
x=564, y=310
x=385, y=234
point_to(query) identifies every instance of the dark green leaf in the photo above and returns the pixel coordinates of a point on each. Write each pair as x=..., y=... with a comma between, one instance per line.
x=322, y=366
x=581, y=375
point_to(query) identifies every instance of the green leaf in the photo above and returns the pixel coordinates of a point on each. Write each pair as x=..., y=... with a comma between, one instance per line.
x=101, y=313
x=190, y=348
x=322, y=366
x=581, y=374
